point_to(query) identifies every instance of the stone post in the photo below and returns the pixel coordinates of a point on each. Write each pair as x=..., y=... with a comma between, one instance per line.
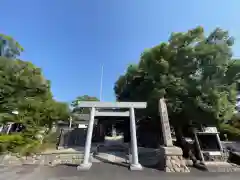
x=171, y=159
x=86, y=165
x=167, y=137
x=134, y=162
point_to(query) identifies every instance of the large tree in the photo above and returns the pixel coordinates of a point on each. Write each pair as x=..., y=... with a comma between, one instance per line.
x=24, y=88
x=195, y=73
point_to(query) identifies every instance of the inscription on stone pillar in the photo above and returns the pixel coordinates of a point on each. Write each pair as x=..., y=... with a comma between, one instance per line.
x=167, y=138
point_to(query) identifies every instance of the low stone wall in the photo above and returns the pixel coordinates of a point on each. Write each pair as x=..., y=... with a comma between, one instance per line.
x=171, y=160
x=9, y=159
x=176, y=164
x=45, y=159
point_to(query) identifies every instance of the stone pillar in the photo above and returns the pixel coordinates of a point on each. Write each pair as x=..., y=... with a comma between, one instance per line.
x=171, y=159
x=86, y=165
x=167, y=137
x=134, y=162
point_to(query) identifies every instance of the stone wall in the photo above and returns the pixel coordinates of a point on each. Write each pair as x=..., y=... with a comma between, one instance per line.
x=175, y=164
x=171, y=160
x=44, y=159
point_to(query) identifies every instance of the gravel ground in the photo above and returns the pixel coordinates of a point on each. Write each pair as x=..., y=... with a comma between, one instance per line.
x=102, y=171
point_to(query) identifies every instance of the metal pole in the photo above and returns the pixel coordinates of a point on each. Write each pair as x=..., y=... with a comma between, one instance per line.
x=101, y=85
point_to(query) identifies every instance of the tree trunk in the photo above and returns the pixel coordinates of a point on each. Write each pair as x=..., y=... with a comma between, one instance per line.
x=186, y=147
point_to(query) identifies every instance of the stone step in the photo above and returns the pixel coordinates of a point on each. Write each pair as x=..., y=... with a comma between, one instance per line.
x=111, y=157
x=221, y=167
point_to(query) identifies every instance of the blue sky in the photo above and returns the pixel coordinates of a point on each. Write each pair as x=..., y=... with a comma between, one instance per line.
x=70, y=39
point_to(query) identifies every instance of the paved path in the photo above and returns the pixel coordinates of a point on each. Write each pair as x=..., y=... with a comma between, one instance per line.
x=26, y=172
x=101, y=171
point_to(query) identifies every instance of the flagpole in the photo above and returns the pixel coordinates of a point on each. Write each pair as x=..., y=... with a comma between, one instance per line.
x=101, y=85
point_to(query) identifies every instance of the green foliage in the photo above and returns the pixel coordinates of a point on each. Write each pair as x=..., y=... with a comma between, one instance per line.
x=78, y=100
x=195, y=73
x=9, y=47
x=22, y=143
x=20, y=81
x=232, y=132
x=23, y=88
x=50, y=141
x=30, y=148
x=51, y=138
x=235, y=121
x=11, y=143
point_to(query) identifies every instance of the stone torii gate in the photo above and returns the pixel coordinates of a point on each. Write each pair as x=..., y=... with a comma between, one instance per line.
x=95, y=107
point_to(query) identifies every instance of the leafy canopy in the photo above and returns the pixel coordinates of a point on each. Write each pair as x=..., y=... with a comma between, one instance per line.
x=78, y=100
x=23, y=88
x=9, y=47
x=194, y=72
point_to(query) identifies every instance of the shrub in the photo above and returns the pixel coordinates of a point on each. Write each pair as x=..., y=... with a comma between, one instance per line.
x=51, y=138
x=18, y=143
x=11, y=143
x=232, y=132
x=30, y=148
x=50, y=141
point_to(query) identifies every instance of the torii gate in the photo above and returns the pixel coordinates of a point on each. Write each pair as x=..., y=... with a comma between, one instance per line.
x=95, y=106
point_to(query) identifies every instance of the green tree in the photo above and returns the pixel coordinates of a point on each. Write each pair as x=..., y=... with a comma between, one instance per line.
x=233, y=72
x=78, y=100
x=9, y=47
x=42, y=113
x=23, y=88
x=194, y=73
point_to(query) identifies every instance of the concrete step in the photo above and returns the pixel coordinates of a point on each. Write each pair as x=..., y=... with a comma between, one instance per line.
x=110, y=157
x=222, y=167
